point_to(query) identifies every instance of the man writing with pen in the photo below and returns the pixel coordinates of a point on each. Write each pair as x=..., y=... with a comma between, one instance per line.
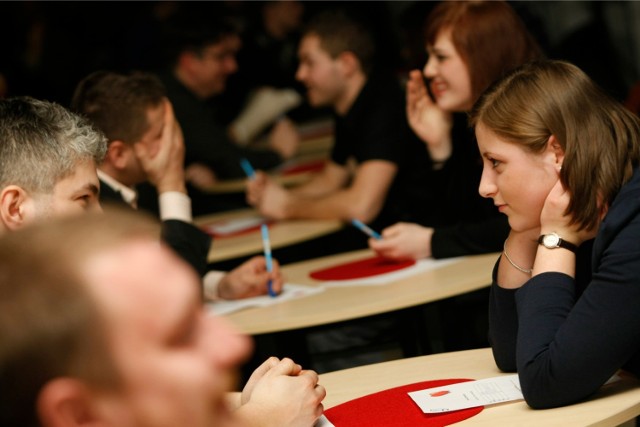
x=145, y=144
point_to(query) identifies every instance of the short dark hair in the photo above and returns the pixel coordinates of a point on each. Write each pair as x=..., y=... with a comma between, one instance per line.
x=340, y=32
x=117, y=103
x=194, y=27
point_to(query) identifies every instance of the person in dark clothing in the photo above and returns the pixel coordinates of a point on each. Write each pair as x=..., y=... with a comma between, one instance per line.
x=370, y=162
x=267, y=58
x=374, y=159
x=561, y=161
x=201, y=50
x=145, y=144
x=468, y=49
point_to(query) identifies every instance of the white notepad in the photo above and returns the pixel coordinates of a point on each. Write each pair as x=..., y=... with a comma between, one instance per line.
x=223, y=228
x=289, y=292
x=468, y=394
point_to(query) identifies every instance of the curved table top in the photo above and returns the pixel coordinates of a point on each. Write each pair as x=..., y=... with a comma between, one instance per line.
x=336, y=304
x=281, y=233
x=611, y=406
x=239, y=185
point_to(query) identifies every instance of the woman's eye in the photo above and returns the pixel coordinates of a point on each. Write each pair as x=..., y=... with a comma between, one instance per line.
x=494, y=163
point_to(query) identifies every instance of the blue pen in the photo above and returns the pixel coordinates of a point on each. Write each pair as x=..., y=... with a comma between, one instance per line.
x=366, y=229
x=266, y=243
x=248, y=169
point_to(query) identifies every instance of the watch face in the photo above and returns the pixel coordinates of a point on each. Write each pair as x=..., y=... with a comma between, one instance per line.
x=551, y=240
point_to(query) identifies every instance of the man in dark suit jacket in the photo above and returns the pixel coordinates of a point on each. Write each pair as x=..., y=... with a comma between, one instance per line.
x=146, y=145
x=191, y=243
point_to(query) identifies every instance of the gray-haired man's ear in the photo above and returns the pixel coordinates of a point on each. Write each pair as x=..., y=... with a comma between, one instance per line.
x=13, y=209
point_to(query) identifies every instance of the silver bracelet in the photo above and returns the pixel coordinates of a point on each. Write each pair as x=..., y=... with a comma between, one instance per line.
x=516, y=266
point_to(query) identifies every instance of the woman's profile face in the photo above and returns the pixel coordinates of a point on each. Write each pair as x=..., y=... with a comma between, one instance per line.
x=517, y=180
x=448, y=75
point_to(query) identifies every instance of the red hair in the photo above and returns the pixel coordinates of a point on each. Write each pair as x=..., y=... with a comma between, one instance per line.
x=489, y=36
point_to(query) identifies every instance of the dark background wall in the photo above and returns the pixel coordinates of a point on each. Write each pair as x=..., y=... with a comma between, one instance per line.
x=47, y=47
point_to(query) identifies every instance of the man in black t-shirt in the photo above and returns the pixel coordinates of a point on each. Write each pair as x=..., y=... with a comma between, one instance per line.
x=369, y=161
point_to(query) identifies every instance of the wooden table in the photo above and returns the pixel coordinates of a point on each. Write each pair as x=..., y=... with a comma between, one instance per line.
x=611, y=406
x=281, y=233
x=239, y=185
x=344, y=303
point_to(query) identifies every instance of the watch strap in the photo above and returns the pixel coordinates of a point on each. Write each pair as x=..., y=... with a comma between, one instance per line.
x=561, y=243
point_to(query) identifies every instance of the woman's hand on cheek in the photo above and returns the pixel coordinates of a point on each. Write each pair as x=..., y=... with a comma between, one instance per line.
x=554, y=220
x=431, y=124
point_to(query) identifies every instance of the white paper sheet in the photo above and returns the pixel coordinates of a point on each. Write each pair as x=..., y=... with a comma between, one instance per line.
x=468, y=394
x=223, y=228
x=289, y=292
x=386, y=278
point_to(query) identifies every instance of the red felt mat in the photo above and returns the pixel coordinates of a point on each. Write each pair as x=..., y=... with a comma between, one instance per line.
x=312, y=166
x=394, y=408
x=360, y=268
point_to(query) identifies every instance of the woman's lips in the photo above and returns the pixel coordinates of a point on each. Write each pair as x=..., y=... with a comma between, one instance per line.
x=438, y=88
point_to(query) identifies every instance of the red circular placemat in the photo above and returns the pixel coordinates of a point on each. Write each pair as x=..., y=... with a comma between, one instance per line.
x=394, y=408
x=358, y=269
x=311, y=166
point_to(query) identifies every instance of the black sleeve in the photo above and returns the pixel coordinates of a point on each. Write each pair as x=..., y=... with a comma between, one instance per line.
x=565, y=352
x=208, y=143
x=206, y=139
x=470, y=238
x=568, y=344
x=189, y=242
x=503, y=324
